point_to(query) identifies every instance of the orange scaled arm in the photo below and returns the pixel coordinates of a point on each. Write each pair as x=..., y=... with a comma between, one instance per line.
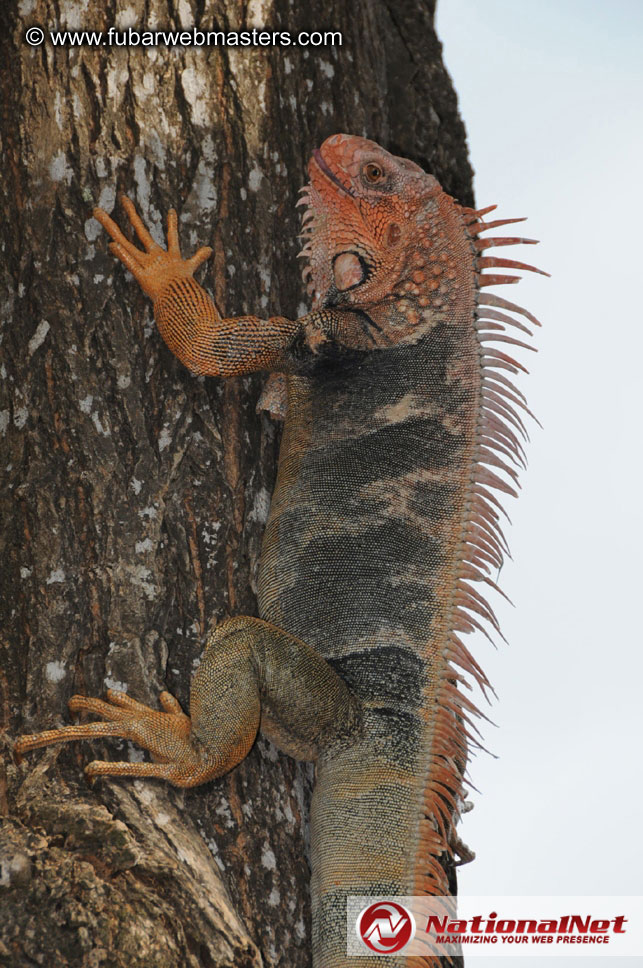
x=187, y=319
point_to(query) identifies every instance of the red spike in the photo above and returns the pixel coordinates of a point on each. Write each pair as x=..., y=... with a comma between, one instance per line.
x=437, y=816
x=501, y=378
x=472, y=574
x=485, y=611
x=469, y=622
x=496, y=587
x=493, y=529
x=490, y=394
x=508, y=339
x=495, y=428
x=446, y=742
x=442, y=790
x=492, y=526
x=477, y=555
x=485, y=515
x=499, y=553
x=485, y=476
x=507, y=415
x=491, y=299
x=490, y=262
x=477, y=604
x=491, y=497
x=482, y=244
x=491, y=353
x=504, y=438
x=500, y=446
x=476, y=213
x=464, y=652
x=462, y=657
x=503, y=318
x=485, y=211
x=480, y=551
x=450, y=733
x=496, y=280
x=478, y=558
x=486, y=456
x=479, y=505
x=479, y=533
x=519, y=400
x=499, y=431
x=489, y=368
x=450, y=742
x=483, y=226
x=457, y=703
x=500, y=435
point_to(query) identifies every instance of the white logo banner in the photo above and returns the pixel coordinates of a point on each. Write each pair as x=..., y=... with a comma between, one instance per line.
x=497, y=926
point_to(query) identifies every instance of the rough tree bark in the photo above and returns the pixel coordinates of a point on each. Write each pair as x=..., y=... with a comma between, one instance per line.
x=134, y=493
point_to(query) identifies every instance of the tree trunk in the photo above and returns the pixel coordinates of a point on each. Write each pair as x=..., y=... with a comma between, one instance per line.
x=134, y=493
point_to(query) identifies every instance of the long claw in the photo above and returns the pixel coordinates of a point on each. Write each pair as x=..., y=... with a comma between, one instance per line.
x=139, y=227
x=125, y=256
x=122, y=699
x=173, y=233
x=96, y=768
x=64, y=735
x=115, y=233
x=199, y=257
x=112, y=712
x=169, y=703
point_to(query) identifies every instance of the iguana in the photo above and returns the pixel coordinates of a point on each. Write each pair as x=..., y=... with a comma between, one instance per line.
x=402, y=424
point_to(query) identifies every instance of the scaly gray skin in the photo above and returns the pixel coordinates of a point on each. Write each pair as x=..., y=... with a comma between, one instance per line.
x=382, y=517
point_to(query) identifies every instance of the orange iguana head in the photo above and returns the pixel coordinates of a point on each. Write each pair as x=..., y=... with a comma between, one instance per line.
x=359, y=200
x=378, y=231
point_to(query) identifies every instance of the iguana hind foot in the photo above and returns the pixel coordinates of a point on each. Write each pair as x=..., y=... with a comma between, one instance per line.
x=166, y=735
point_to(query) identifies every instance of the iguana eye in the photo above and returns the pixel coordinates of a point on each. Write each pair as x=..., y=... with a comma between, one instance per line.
x=372, y=173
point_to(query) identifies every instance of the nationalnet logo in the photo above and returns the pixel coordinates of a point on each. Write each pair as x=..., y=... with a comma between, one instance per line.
x=385, y=927
x=502, y=926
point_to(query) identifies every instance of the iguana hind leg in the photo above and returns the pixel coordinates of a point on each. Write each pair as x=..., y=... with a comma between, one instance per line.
x=251, y=674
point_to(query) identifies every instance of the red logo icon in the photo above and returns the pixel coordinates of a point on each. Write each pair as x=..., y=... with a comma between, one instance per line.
x=385, y=927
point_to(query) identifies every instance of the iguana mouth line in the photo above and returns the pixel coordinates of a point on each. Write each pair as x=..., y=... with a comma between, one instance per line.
x=323, y=167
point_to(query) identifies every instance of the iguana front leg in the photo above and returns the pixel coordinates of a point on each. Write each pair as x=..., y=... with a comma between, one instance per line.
x=252, y=674
x=191, y=324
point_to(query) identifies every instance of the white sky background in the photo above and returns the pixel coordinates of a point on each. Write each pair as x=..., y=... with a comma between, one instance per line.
x=551, y=93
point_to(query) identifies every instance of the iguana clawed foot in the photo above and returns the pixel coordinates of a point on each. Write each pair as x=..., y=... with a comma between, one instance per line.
x=166, y=735
x=156, y=267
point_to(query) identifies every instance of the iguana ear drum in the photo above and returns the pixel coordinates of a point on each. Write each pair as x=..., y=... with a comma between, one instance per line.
x=348, y=271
